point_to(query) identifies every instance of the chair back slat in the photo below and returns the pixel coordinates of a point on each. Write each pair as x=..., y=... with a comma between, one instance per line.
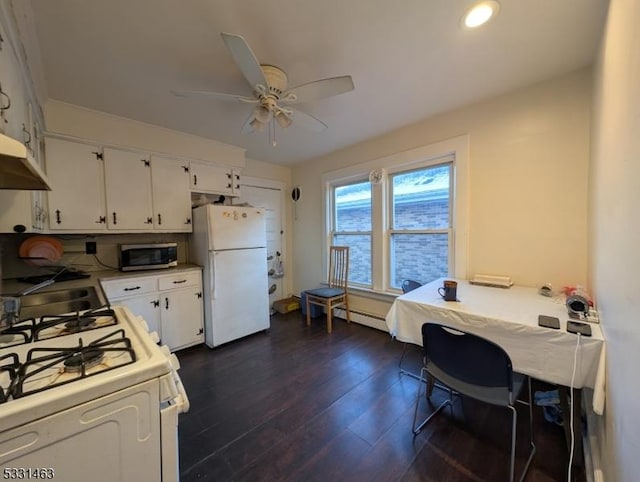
x=338, y=267
x=467, y=357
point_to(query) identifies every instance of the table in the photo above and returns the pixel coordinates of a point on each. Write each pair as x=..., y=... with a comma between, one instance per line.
x=509, y=317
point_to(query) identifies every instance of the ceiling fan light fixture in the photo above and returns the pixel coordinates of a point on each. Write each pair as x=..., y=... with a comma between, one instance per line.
x=257, y=125
x=479, y=14
x=262, y=114
x=283, y=120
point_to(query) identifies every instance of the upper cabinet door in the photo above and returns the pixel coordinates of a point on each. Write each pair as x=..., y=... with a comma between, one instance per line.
x=171, y=195
x=208, y=178
x=76, y=200
x=128, y=187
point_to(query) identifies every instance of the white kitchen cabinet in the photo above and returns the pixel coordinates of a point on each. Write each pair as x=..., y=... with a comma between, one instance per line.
x=22, y=211
x=212, y=179
x=170, y=304
x=171, y=195
x=128, y=190
x=76, y=201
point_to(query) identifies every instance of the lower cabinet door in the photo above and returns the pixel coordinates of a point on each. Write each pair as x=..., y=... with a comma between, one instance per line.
x=182, y=318
x=146, y=306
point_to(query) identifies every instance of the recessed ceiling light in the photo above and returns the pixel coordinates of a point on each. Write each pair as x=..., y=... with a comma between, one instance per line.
x=480, y=13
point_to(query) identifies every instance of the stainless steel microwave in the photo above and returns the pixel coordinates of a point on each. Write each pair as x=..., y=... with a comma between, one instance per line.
x=133, y=257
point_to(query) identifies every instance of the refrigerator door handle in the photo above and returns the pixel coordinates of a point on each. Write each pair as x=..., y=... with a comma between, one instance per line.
x=212, y=274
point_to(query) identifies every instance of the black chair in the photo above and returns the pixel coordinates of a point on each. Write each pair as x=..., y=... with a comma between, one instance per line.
x=410, y=285
x=407, y=285
x=478, y=368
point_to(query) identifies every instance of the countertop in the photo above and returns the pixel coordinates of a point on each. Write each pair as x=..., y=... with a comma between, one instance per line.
x=12, y=286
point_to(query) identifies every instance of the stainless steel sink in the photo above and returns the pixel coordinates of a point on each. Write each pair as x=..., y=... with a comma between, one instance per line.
x=60, y=301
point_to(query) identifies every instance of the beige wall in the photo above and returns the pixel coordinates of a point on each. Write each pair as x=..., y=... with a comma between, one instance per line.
x=87, y=124
x=614, y=259
x=529, y=153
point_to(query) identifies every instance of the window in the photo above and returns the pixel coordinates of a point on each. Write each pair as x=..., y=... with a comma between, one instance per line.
x=352, y=227
x=420, y=224
x=412, y=224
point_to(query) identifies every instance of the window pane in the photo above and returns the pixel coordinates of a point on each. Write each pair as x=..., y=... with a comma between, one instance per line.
x=421, y=199
x=353, y=207
x=421, y=257
x=359, y=256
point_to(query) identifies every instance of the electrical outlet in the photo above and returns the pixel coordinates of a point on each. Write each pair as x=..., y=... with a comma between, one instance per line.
x=90, y=247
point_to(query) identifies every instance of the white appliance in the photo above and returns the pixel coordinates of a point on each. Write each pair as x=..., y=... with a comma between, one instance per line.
x=230, y=243
x=100, y=404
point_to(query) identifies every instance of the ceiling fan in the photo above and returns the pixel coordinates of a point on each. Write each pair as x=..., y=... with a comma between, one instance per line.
x=273, y=101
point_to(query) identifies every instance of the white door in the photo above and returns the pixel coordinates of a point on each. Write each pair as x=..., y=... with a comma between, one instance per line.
x=270, y=200
x=240, y=303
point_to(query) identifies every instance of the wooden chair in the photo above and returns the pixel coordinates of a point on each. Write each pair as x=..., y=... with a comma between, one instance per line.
x=335, y=294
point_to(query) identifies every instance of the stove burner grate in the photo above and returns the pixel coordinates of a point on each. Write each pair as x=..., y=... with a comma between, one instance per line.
x=54, y=326
x=83, y=360
x=18, y=334
x=9, y=365
x=78, y=362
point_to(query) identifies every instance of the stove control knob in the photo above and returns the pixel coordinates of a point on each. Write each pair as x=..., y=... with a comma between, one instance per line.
x=174, y=362
x=143, y=323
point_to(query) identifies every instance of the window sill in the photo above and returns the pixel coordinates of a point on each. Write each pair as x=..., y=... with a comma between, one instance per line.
x=374, y=295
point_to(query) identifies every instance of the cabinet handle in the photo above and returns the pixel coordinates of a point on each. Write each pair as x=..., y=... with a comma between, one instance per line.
x=200, y=331
x=199, y=294
x=101, y=220
x=115, y=221
x=177, y=282
x=5, y=103
x=188, y=221
x=26, y=135
x=159, y=218
x=149, y=221
x=166, y=303
x=155, y=303
x=146, y=162
x=58, y=219
x=132, y=289
x=195, y=179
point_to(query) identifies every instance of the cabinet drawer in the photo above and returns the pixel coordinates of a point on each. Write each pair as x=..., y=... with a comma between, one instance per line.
x=129, y=287
x=180, y=280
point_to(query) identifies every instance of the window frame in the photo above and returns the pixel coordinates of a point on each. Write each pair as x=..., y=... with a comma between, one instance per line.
x=333, y=221
x=390, y=230
x=457, y=150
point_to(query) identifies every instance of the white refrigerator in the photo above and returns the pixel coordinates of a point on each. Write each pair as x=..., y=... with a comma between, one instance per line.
x=230, y=243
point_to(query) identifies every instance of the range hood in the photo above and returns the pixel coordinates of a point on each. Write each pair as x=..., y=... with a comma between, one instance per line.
x=17, y=169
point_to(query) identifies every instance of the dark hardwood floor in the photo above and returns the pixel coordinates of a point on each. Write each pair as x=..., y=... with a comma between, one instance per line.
x=296, y=403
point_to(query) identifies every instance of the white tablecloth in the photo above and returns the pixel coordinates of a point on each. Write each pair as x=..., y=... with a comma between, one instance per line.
x=509, y=317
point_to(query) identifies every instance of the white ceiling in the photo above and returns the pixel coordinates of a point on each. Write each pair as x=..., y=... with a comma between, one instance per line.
x=409, y=60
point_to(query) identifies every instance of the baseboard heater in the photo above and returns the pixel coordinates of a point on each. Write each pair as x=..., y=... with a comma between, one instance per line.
x=367, y=319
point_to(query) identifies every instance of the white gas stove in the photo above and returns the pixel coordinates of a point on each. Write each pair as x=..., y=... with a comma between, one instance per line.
x=89, y=396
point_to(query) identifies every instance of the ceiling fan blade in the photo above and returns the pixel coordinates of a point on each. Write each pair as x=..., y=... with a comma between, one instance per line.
x=247, y=128
x=305, y=120
x=245, y=59
x=318, y=89
x=213, y=95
